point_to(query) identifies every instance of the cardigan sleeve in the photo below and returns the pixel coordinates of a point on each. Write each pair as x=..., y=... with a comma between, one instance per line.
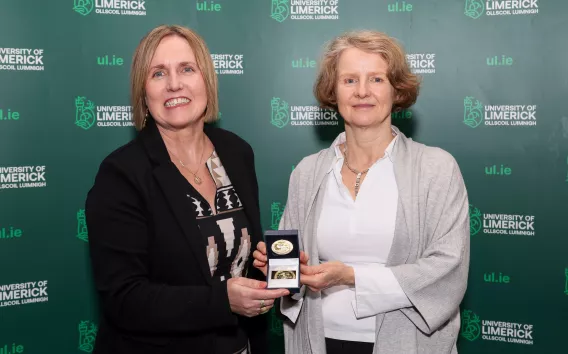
x=376, y=290
x=291, y=305
x=436, y=282
x=119, y=240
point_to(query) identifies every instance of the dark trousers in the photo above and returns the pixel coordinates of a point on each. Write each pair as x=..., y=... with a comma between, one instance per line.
x=336, y=346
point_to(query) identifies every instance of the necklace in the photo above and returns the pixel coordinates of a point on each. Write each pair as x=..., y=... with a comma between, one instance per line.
x=196, y=178
x=358, y=173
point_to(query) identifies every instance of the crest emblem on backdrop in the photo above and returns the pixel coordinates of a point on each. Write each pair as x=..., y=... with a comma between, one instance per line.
x=84, y=113
x=280, y=112
x=280, y=10
x=84, y=7
x=472, y=112
x=474, y=8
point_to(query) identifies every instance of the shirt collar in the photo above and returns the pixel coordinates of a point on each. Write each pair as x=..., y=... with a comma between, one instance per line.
x=341, y=138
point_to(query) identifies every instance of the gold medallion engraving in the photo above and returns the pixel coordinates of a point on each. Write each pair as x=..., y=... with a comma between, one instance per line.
x=282, y=247
x=284, y=274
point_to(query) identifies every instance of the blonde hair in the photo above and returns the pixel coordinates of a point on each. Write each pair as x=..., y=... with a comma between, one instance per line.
x=405, y=83
x=141, y=64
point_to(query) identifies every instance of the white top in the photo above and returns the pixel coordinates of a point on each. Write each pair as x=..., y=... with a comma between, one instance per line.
x=360, y=233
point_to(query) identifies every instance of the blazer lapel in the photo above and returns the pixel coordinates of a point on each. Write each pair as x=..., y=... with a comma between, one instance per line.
x=323, y=167
x=172, y=184
x=314, y=206
x=400, y=249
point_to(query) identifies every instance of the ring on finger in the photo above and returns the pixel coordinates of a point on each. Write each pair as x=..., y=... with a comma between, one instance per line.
x=261, y=303
x=264, y=310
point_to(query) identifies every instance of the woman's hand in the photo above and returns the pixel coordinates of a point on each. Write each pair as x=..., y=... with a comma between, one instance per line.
x=326, y=275
x=260, y=258
x=248, y=297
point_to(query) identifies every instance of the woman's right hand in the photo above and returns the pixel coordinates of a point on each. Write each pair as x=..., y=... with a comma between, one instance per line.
x=260, y=257
x=248, y=297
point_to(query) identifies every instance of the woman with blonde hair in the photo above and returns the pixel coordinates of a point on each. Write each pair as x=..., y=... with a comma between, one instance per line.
x=173, y=216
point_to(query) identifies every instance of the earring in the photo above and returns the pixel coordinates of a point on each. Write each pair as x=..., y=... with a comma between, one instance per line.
x=145, y=118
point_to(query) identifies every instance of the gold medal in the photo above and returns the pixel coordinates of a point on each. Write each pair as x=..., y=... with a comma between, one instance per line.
x=285, y=274
x=282, y=247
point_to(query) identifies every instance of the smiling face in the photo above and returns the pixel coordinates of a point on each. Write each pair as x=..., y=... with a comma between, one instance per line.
x=364, y=93
x=176, y=93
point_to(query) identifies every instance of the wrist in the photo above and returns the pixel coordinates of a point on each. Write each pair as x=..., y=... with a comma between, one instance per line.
x=349, y=276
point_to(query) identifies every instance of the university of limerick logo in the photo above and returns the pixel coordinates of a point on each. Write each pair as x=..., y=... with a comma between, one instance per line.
x=280, y=115
x=470, y=326
x=474, y=8
x=474, y=220
x=276, y=211
x=472, y=112
x=82, y=232
x=84, y=7
x=84, y=113
x=87, y=335
x=280, y=10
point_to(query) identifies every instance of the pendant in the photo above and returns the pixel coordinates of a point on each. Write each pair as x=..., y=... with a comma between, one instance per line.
x=197, y=179
x=357, y=183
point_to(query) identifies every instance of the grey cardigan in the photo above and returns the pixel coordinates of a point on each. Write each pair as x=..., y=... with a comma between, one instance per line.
x=429, y=255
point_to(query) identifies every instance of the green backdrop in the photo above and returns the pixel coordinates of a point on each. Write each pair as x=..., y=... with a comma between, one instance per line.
x=495, y=85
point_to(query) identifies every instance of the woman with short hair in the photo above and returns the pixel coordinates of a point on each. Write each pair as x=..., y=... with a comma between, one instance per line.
x=383, y=219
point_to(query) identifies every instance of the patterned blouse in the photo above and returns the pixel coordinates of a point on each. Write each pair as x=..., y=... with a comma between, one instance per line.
x=227, y=236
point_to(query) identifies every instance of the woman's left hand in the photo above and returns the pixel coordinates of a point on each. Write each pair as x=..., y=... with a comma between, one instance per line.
x=326, y=275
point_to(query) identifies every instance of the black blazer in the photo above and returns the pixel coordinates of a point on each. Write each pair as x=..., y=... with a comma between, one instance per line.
x=148, y=256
